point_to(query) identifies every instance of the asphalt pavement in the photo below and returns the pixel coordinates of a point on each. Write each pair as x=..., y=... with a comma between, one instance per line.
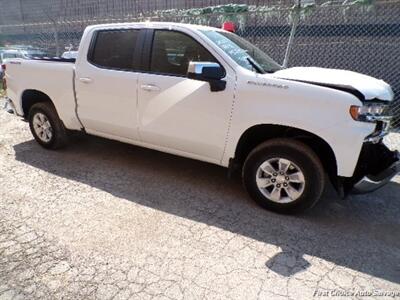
x=105, y=220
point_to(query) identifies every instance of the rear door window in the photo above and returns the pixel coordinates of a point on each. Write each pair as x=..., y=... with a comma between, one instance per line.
x=115, y=49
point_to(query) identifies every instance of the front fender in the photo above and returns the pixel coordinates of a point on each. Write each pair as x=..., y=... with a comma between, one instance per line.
x=318, y=110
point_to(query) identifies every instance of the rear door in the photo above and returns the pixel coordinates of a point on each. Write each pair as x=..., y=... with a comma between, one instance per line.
x=106, y=83
x=176, y=112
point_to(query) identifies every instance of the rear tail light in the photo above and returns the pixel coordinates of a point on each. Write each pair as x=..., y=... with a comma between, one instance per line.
x=4, y=81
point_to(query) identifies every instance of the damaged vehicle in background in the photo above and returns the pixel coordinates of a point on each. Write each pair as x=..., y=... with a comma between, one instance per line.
x=208, y=94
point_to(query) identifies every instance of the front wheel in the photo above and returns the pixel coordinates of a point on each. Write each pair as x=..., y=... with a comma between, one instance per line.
x=284, y=175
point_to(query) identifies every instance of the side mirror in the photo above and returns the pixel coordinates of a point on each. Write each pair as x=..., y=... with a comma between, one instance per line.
x=208, y=71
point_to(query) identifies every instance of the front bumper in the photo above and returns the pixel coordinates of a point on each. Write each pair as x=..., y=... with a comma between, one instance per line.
x=371, y=182
x=377, y=165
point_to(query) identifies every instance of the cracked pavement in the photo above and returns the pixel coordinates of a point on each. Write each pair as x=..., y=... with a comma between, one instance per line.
x=105, y=220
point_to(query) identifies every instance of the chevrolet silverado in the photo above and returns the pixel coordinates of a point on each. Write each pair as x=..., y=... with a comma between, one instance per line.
x=210, y=95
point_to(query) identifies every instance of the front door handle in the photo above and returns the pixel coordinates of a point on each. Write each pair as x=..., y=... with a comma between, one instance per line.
x=149, y=87
x=85, y=80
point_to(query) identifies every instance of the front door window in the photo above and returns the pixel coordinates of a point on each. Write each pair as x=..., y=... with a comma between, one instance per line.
x=172, y=52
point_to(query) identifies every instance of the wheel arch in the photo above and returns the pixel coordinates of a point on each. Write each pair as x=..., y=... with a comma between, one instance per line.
x=260, y=133
x=30, y=97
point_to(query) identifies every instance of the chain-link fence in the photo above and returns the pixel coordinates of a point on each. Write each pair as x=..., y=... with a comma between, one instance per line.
x=363, y=35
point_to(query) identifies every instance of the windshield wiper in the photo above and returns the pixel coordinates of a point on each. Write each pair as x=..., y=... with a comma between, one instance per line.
x=255, y=65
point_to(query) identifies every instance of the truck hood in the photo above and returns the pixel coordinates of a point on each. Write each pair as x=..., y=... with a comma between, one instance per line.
x=363, y=86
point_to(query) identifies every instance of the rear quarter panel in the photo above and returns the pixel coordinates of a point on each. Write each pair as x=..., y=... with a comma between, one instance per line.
x=55, y=79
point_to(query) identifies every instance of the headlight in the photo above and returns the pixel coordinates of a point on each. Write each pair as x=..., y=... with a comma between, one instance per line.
x=370, y=112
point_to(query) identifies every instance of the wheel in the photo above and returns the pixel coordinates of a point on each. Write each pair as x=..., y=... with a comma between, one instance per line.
x=284, y=175
x=46, y=127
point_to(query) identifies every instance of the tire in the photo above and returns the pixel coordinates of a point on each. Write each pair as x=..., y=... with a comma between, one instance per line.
x=304, y=178
x=45, y=111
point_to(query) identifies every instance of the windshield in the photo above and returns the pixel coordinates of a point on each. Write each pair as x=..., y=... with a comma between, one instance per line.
x=243, y=52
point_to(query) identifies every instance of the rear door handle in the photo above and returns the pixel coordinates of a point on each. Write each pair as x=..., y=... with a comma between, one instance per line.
x=85, y=80
x=149, y=87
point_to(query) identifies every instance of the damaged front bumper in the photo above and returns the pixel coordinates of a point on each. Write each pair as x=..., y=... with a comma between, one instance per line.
x=372, y=182
x=377, y=165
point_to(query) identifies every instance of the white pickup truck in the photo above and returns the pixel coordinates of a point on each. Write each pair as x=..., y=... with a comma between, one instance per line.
x=207, y=94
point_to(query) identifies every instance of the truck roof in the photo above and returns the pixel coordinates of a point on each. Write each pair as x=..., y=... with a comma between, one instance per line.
x=154, y=25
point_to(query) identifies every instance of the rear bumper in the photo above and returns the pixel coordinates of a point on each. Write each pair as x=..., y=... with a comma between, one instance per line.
x=10, y=107
x=370, y=182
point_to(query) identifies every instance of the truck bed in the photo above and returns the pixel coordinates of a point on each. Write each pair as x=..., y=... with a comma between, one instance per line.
x=53, y=77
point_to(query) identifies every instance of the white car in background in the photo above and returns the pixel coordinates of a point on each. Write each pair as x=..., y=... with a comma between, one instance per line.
x=18, y=52
x=70, y=55
x=33, y=53
x=7, y=54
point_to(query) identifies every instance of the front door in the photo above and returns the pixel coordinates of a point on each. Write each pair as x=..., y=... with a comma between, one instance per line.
x=180, y=113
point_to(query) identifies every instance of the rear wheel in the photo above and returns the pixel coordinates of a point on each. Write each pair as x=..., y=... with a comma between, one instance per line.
x=284, y=175
x=46, y=127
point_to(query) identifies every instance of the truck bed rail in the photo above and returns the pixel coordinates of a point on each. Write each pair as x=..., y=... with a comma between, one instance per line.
x=57, y=59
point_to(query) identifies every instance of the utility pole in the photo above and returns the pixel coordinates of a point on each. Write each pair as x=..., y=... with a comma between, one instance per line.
x=295, y=22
